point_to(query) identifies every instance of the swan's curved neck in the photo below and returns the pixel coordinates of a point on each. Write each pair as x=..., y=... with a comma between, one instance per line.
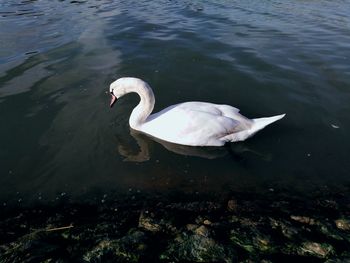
x=144, y=108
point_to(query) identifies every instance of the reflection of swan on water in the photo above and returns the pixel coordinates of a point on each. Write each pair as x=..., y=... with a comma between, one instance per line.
x=145, y=144
x=189, y=123
x=145, y=149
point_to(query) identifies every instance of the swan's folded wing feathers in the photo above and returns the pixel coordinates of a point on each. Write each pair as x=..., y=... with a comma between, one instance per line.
x=217, y=109
x=188, y=126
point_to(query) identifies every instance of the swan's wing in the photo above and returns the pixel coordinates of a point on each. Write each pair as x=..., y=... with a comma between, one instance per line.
x=217, y=109
x=242, y=122
x=190, y=125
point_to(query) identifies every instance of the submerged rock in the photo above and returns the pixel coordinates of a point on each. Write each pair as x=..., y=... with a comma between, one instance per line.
x=344, y=258
x=197, y=248
x=148, y=223
x=128, y=248
x=232, y=205
x=33, y=247
x=285, y=228
x=329, y=231
x=241, y=240
x=315, y=249
x=338, y=260
x=153, y=223
x=303, y=219
x=202, y=231
x=252, y=241
x=342, y=223
x=191, y=227
x=207, y=222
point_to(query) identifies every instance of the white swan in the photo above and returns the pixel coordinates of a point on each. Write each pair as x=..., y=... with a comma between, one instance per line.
x=188, y=123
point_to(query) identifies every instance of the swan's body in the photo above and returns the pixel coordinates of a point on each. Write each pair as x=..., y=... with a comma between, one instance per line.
x=188, y=123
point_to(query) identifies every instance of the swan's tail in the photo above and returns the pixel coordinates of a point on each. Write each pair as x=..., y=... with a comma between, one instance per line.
x=261, y=123
x=256, y=125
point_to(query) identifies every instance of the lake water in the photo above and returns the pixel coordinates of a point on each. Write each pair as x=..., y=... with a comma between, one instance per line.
x=58, y=136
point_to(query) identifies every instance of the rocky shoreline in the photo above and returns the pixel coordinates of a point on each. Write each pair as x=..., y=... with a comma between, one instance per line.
x=240, y=227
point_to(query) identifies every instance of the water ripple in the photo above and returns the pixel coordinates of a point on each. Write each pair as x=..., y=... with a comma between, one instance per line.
x=57, y=59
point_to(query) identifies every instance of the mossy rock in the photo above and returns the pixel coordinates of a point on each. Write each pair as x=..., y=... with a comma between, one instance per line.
x=343, y=224
x=252, y=242
x=320, y=250
x=197, y=248
x=126, y=249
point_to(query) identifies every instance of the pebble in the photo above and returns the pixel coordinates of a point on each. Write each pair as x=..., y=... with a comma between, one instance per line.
x=303, y=219
x=342, y=224
x=191, y=227
x=207, y=222
x=202, y=231
x=316, y=249
x=232, y=205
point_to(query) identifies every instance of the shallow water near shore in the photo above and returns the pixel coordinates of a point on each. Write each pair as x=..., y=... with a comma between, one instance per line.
x=270, y=226
x=60, y=141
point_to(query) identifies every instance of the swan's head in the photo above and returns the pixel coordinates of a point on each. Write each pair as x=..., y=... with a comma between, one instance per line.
x=117, y=90
x=125, y=85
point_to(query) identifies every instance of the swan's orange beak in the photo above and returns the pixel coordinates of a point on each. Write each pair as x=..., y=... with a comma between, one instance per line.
x=113, y=100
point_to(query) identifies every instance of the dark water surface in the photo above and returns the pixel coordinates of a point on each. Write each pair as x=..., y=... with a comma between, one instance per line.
x=58, y=137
